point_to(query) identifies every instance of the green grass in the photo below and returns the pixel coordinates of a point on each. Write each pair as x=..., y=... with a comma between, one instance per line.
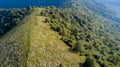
x=33, y=44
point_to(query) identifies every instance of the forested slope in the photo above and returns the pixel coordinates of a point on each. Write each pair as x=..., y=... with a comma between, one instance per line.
x=87, y=37
x=9, y=18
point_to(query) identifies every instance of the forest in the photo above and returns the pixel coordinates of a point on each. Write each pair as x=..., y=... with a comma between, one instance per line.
x=85, y=36
x=9, y=18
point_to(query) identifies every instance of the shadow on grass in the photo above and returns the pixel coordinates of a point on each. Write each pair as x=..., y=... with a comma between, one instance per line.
x=72, y=50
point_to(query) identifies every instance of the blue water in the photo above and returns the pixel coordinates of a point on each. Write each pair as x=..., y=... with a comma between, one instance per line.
x=26, y=3
x=17, y=3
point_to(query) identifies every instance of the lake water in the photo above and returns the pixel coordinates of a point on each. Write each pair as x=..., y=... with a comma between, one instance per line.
x=25, y=3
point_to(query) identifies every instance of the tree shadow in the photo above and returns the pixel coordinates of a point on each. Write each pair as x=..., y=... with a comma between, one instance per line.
x=72, y=50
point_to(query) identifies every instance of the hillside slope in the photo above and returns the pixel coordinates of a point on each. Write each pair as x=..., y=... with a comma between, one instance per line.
x=91, y=33
x=34, y=44
x=86, y=34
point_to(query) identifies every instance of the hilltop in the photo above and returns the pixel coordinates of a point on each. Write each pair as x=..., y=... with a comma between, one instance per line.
x=81, y=33
x=32, y=43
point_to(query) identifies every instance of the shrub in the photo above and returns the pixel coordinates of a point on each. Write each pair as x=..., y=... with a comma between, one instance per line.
x=79, y=47
x=90, y=62
x=107, y=64
x=68, y=41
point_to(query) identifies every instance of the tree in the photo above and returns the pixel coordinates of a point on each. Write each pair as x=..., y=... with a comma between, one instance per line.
x=79, y=47
x=90, y=62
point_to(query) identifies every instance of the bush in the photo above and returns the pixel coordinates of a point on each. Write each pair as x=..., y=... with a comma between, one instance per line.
x=79, y=47
x=68, y=41
x=60, y=65
x=90, y=62
x=114, y=59
x=107, y=64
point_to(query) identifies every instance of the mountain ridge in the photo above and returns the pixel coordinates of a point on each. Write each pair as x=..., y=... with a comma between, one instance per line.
x=25, y=47
x=77, y=33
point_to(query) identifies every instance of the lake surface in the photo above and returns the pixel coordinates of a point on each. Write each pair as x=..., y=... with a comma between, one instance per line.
x=26, y=3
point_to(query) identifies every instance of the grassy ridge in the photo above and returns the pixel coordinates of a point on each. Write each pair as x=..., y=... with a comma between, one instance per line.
x=33, y=44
